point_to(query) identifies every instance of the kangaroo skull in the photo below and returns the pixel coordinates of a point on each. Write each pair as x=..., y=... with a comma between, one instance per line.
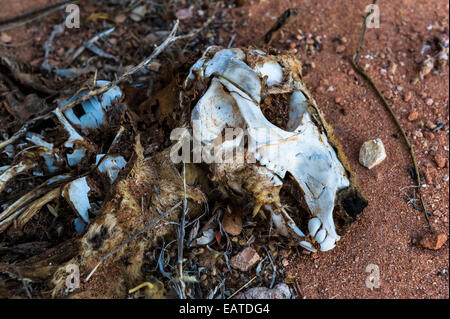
x=236, y=84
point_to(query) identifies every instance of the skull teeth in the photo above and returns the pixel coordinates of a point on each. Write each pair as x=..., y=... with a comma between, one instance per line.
x=327, y=244
x=313, y=226
x=320, y=236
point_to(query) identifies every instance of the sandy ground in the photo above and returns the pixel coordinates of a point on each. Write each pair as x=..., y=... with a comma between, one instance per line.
x=385, y=235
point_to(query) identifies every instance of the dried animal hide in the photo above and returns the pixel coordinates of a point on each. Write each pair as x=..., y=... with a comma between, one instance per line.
x=152, y=186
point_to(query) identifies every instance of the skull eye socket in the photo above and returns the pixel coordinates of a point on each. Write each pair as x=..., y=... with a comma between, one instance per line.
x=275, y=108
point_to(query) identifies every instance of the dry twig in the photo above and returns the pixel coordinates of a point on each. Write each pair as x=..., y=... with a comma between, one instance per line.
x=283, y=20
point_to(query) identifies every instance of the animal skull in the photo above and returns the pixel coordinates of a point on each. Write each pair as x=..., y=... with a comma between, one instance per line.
x=239, y=82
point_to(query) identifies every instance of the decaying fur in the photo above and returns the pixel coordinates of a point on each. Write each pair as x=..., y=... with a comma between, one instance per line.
x=151, y=184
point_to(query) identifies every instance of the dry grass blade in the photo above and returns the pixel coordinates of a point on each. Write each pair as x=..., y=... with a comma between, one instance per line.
x=28, y=205
x=36, y=206
x=32, y=195
x=243, y=287
x=91, y=41
x=181, y=234
x=284, y=19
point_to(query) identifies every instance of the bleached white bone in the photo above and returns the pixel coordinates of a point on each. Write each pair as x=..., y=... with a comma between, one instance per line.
x=50, y=157
x=314, y=225
x=77, y=194
x=112, y=165
x=78, y=153
x=214, y=111
x=304, y=153
x=272, y=70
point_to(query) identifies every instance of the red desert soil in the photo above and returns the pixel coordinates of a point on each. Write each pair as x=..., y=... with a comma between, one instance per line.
x=387, y=231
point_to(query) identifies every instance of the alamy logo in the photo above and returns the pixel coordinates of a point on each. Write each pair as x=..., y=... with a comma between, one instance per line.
x=73, y=19
x=373, y=19
x=73, y=277
x=373, y=280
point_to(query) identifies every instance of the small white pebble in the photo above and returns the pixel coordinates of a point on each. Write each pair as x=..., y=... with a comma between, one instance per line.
x=372, y=153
